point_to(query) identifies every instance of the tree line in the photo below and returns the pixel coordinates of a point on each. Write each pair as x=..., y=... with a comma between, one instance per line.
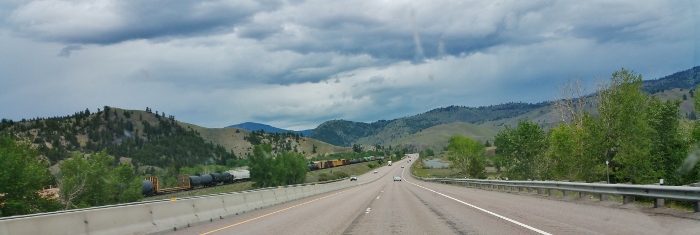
x=84, y=181
x=633, y=138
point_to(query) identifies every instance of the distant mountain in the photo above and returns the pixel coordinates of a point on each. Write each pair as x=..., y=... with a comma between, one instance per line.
x=345, y=133
x=687, y=79
x=253, y=126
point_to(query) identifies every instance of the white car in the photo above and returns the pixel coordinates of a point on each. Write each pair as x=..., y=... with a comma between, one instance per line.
x=401, y=166
x=375, y=172
x=397, y=178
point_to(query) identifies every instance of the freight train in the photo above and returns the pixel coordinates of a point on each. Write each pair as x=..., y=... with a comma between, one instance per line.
x=317, y=165
x=187, y=182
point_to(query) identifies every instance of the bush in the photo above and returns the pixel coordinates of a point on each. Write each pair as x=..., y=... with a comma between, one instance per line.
x=371, y=166
x=340, y=174
x=323, y=177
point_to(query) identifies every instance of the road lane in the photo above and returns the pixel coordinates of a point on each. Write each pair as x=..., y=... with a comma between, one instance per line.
x=415, y=207
x=565, y=217
x=329, y=213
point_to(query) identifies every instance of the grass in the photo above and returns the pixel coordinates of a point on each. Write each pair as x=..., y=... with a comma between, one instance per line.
x=340, y=172
x=205, y=191
x=331, y=174
x=420, y=170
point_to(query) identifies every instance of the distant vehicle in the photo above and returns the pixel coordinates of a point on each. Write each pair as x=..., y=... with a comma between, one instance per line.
x=397, y=178
x=401, y=166
x=389, y=163
x=353, y=177
x=375, y=172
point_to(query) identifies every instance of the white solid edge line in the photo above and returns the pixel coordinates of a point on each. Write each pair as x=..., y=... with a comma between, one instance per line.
x=484, y=210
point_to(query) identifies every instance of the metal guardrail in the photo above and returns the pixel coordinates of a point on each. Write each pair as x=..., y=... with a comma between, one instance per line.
x=628, y=191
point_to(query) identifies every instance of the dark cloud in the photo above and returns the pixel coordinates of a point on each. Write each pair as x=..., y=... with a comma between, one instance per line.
x=120, y=21
x=66, y=51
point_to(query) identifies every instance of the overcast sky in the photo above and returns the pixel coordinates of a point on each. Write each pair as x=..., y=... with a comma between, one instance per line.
x=295, y=64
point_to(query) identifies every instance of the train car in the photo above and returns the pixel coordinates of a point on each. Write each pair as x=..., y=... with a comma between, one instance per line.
x=240, y=175
x=228, y=178
x=148, y=189
x=346, y=161
x=372, y=157
x=338, y=162
x=217, y=178
x=327, y=164
x=313, y=167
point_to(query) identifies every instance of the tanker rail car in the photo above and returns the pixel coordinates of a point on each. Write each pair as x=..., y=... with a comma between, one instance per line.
x=151, y=185
x=317, y=165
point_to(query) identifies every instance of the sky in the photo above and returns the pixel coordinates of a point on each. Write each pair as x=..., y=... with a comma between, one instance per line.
x=295, y=64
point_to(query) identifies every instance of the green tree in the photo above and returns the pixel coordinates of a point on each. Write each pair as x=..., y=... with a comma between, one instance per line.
x=626, y=130
x=261, y=166
x=290, y=168
x=668, y=148
x=523, y=151
x=357, y=148
x=267, y=170
x=468, y=156
x=93, y=181
x=22, y=175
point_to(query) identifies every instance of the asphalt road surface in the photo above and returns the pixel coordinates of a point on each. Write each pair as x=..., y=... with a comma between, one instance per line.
x=411, y=206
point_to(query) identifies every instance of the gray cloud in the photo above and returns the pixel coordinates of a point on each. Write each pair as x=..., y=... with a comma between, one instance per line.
x=298, y=63
x=66, y=51
x=109, y=22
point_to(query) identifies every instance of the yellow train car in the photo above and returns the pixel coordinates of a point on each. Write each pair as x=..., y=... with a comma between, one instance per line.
x=337, y=162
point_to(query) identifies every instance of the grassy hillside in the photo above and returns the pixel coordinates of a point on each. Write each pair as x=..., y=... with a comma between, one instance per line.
x=145, y=138
x=436, y=137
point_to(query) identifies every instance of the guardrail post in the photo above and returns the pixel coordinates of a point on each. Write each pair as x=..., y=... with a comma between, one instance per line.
x=566, y=193
x=581, y=194
x=696, y=206
x=602, y=197
x=658, y=202
x=529, y=190
x=626, y=199
x=539, y=191
x=551, y=192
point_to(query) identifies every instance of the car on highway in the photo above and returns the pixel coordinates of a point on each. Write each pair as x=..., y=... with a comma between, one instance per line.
x=401, y=166
x=353, y=177
x=375, y=172
x=397, y=178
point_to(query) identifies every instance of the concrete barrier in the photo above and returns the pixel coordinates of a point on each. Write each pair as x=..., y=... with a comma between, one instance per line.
x=254, y=200
x=172, y=215
x=209, y=208
x=269, y=198
x=119, y=220
x=61, y=223
x=158, y=216
x=235, y=204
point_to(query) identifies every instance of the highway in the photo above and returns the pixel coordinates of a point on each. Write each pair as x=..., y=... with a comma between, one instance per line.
x=415, y=207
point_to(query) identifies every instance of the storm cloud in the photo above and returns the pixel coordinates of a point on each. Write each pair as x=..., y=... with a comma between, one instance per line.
x=295, y=64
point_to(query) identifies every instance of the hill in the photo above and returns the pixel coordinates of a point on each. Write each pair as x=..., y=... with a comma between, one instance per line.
x=145, y=138
x=253, y=126
x=436, y=137
x=386, y=132
x=345, y=133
